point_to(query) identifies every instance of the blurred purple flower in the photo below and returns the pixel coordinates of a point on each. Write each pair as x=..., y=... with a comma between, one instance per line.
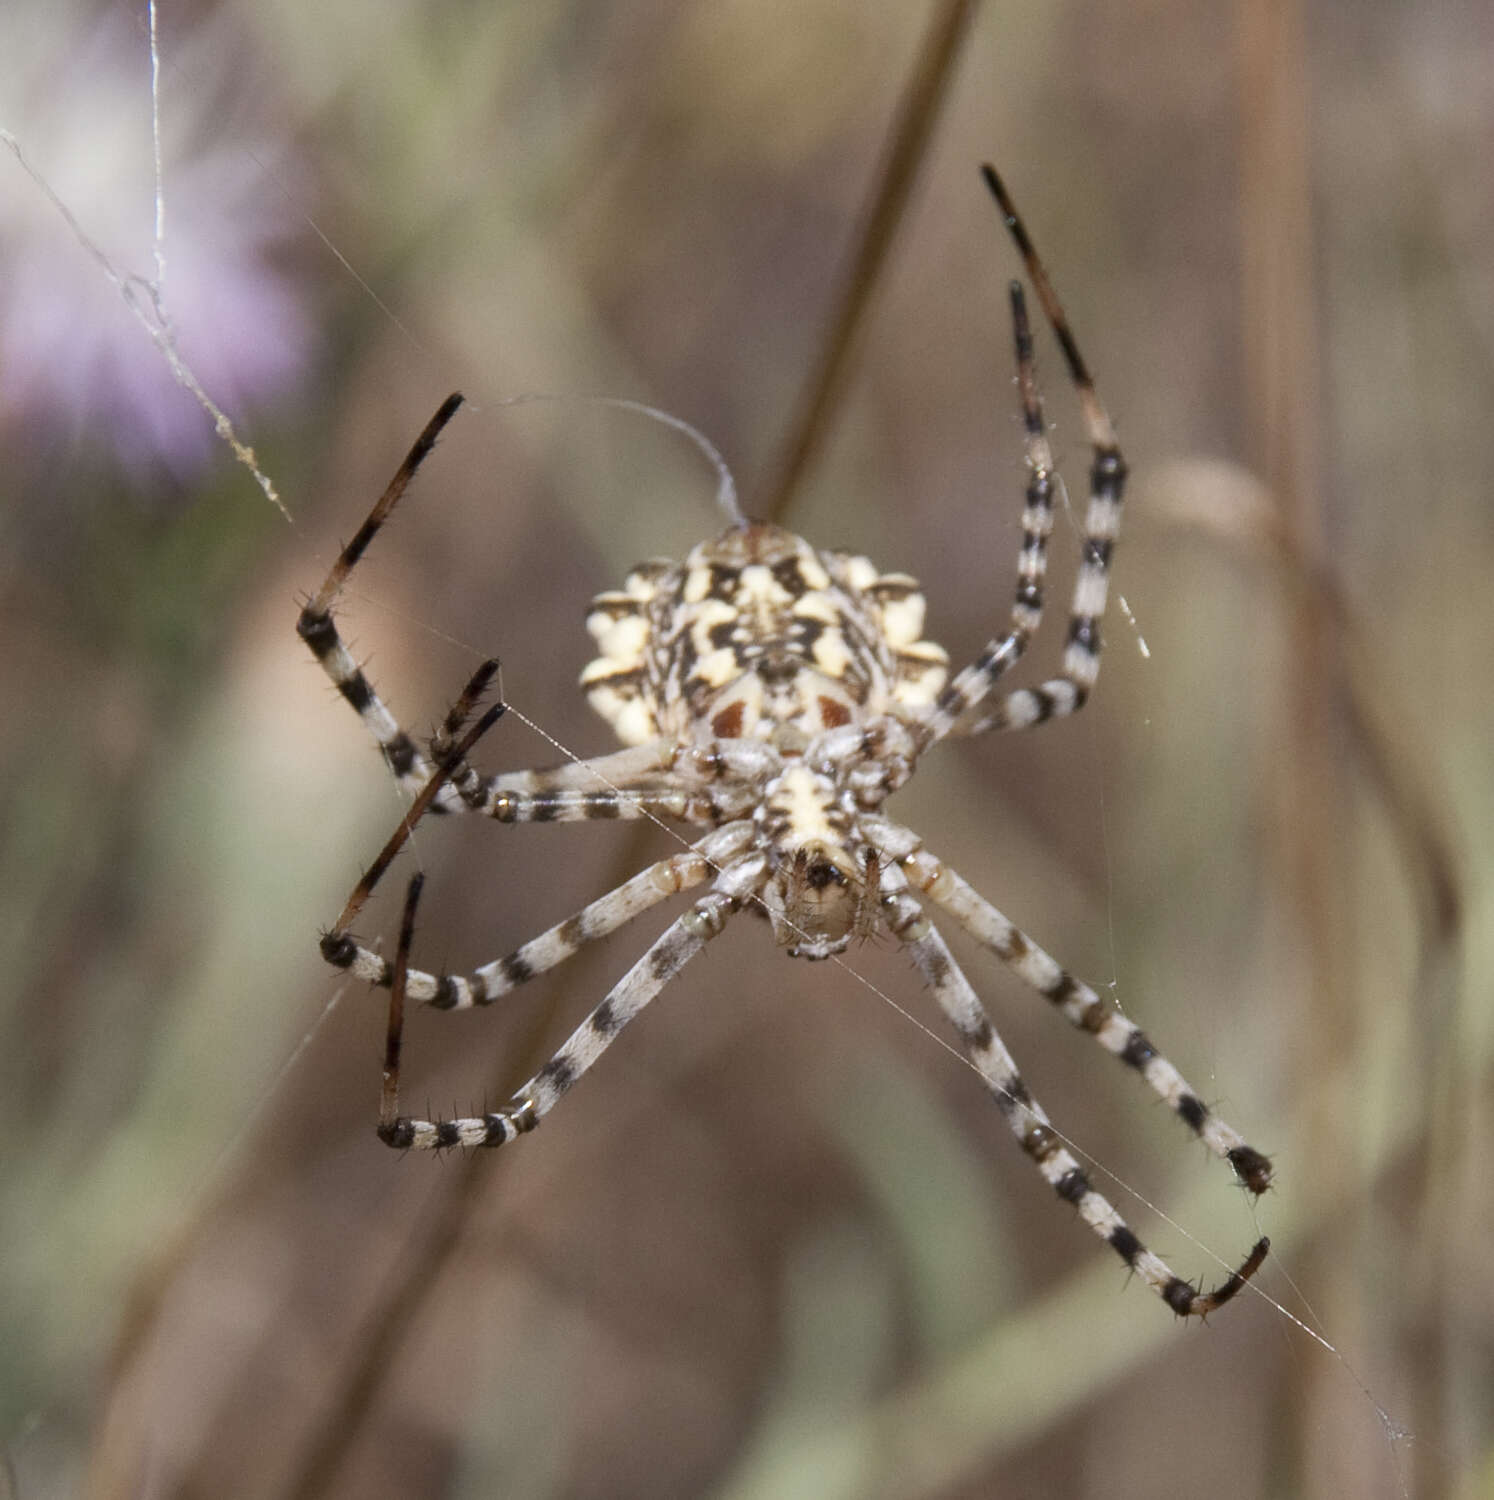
x=73, y=357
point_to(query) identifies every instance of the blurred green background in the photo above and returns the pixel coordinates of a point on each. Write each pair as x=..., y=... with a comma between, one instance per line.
x=780, y=1243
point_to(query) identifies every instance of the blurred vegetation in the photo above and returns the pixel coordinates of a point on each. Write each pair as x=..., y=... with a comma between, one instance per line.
x=780, y=1244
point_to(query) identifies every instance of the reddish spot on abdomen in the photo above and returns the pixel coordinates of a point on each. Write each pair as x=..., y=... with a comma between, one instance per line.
x=833, y=713
x=727, y=725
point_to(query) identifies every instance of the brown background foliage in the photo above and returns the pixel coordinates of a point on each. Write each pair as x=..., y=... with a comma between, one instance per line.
x=779, y=1243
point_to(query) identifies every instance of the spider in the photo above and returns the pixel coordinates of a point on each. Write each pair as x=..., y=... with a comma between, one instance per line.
x=776, y=696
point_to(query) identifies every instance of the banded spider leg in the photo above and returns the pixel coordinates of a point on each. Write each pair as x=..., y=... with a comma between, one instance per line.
x=962, y=707
x=987, y=1053
x=737, y=874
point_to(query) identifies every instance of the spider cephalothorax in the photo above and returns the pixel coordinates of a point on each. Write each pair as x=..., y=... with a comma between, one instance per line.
x=775, y=696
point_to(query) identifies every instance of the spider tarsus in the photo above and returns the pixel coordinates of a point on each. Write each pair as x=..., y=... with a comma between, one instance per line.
x=1008, y=209
x=1252, y=1167
x=1078, y=370
x=467, y=701
x=1189, y=1301
x=1251, y=1264
x=1022, y=340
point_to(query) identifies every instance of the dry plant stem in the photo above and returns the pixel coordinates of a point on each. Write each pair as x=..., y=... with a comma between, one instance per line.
x=393, y=1313
x=1313, y=814
x=375, y=1346
x=1444, y=1163
x=1338, y=701
x=1379, y=726
x=906, y=149
x=1438, y=1162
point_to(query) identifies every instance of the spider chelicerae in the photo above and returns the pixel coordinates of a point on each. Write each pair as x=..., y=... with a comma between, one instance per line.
x=777, y=695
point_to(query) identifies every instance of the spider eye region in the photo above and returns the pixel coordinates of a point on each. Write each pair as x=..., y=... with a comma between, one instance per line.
x=818, y=894
x=822, y=873
x=818, y=900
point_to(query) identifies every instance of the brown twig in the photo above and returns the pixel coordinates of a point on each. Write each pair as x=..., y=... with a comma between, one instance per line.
x=911, y=131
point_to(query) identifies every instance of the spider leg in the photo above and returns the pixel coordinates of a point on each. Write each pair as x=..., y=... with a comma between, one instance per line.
x=577, y=805
x=318, y=629
x=1037, y=513
x=1002, y=653
x=1027, y=1120
x=679, y=943
x=709, y=783
x=1084, y=1009
x=394, y=1032
x=410, y=765
x=454, y=759
x=1066, y=693
x=443, y=742
x=619, y=768
x=680, y=872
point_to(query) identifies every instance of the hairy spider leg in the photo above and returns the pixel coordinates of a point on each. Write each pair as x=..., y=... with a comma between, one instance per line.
x=1083, y=1008
x=678, y=944
x=1027, y=1120
x=961, y=706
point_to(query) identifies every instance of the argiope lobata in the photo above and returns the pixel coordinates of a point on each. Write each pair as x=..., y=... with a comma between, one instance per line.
x=777, y=695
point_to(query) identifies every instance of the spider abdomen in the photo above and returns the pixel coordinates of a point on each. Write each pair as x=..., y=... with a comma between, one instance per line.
x=754, y=632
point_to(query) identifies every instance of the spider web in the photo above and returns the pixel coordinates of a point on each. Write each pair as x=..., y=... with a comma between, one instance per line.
x=148, y=300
